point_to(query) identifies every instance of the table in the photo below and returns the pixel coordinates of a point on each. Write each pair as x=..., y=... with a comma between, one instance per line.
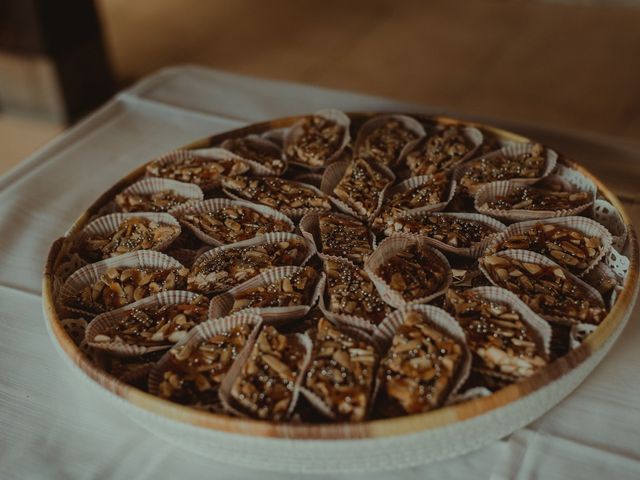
x=52, y=425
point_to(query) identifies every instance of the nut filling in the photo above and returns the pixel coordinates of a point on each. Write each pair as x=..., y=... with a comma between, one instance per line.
x=351, y=292
x=277, y=193
x=158, y=325
x=135, y=233
x=229, y=267
x=319, y=140
x=161, y=201
x=343, y=236
x=566, y=246
x=415, y=272
x=502, y=167
x=265, y=386
x=235, y=223
x=455, y=232
x=532, y=198
x=361, y=186
x=438, y=152
x=421, y=366
x=289, y=291
x=196, y=372
x=498, y=338
x=191, y=168
x=431, y=192
x=267, y=157
x=548, y=290
x=384, y=143
x=341, y=372
x=118, y=287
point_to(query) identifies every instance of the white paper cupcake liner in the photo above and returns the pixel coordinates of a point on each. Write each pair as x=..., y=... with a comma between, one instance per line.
x=293, y=213
x=310, y=228
x=584, y=225
x=540, y=326
x=415, y=182
x=343, y=319
x=261, y=240
x=266, y=145
x=317, y=402
x=215, y=154
x=215, y=204
x=439, y=319
x=510, y=151
x=409, y=123
x=536, y=258
x=151, y=185
x=476, y=249
x=200, y=334
x=493, y=190
x=389, y=247
x=108, y=224
x=471, y=134
x=105, y=320
x=332, y=176
x=90, y=274
x=236, y=369
x=222, y=304
x=294, y=133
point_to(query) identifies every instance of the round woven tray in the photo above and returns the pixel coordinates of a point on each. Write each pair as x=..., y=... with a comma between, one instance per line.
x=375, y=444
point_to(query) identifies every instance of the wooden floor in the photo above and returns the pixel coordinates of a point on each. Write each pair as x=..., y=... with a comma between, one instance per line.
x=569, y=66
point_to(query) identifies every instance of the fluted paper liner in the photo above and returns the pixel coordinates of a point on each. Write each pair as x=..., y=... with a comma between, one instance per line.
x=409, y=123
x=536, y=258
x=584, y=225
x=105, y=320
x=274, y=237
x=540, y=326
x=471, y=134
x=439, y=319
x=236, y=369
x=414, y=182
x=215, y=154
x=294, y=133
x=334, y=173
x=342, y=319
x=261, y=143
x=509, y=151
x=214, y=204
x=310, y=227
x=491, y=191
x=222, y=304
x=151, y=185
x=607, y=215
x=293, y=213
x=476, y=249
x=200, y=334
x=90, y=274
x=109, y=223
x=388, y=248
x=568, y=178
x=317, y=402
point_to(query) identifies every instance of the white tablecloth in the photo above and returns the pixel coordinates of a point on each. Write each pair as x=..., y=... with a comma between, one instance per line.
x=54, y=426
